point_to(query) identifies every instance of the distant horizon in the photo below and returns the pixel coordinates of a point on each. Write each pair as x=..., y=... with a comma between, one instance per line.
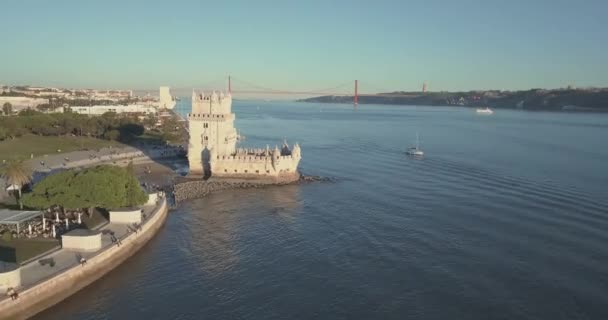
x=188, y=92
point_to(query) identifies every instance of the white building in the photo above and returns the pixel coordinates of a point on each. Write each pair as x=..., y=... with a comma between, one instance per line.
x=22, y=103
x=212, y=149
x=99, y=110
x=166, y=101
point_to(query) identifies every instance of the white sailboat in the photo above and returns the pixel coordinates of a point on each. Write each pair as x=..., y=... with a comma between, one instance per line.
x=415, y=151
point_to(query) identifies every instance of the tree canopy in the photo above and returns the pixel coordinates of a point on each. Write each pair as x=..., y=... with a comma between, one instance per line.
x=107, y=126
x=7, y=108
x=103, y=186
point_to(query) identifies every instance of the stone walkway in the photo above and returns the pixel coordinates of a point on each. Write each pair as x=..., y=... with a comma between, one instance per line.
x=105, y=155
x=64, y=259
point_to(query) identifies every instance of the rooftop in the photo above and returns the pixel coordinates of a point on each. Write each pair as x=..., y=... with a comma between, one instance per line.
x=8, y=216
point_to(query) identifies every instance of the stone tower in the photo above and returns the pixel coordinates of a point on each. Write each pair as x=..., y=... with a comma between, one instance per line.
x=212, y=132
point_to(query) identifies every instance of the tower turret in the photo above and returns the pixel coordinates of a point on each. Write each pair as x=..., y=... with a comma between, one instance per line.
x=296, y=152
x=285, y=151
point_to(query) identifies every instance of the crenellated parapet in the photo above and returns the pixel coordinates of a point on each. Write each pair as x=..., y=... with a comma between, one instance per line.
x=211, y=104
x=258, y=162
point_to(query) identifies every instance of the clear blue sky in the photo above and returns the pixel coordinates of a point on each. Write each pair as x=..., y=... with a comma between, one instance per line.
x=309, y=44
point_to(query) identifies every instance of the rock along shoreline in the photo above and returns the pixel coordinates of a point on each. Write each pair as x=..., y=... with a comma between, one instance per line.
x=188, y=188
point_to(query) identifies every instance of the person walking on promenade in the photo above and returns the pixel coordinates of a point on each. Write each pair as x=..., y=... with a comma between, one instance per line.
x=12, y=293
x=115, y=240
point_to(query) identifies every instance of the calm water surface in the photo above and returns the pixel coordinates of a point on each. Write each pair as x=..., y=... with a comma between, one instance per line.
x=505, y=218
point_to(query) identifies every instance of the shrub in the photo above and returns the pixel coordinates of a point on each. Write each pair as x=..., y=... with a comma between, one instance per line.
x=7, y=236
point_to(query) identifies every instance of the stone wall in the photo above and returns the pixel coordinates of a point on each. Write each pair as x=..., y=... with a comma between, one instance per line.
x=81, y=240
x=252, y=165
x=49, y=292
x=10, y=278
x=125, y=216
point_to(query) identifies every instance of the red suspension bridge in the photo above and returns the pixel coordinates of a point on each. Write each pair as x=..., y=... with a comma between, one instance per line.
x=352, y=88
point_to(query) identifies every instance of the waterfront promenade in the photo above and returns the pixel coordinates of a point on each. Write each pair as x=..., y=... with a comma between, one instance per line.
x=44, y=284
x=87, y=158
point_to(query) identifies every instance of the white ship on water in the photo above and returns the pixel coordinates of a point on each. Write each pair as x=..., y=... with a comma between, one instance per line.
x=485, y=110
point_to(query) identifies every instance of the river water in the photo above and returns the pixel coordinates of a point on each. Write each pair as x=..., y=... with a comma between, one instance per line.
x=504, y=218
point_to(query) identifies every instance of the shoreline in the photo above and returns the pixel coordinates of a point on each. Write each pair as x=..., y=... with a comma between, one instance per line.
x=188, y=188
x=536, y=110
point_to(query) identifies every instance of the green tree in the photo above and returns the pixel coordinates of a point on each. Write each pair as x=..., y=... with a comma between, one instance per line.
x=112, y=134
x=133, y=188
x=3, y=133
x=29, y=112
x=150, y=120
x=7, y=108
x=17, y=173
x=104, y=186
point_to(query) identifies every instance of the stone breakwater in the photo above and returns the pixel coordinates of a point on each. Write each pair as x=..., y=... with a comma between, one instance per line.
x=198, y=188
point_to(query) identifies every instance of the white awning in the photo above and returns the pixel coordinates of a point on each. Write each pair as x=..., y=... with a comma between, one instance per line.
x=17, y=216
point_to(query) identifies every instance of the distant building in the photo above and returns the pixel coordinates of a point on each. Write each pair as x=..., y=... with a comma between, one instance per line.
x=423, y=87
x=166, y=101
x=21, y=103
x=97, y=110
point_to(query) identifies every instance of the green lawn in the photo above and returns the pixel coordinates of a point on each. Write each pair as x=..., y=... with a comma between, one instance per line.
x=20, y=250
x=23, y=147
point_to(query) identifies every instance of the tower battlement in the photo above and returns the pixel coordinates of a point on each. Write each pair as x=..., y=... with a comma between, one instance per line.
x=211, y=104
x=212, y=149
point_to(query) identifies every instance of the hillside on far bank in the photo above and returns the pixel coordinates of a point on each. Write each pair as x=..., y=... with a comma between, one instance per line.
x=535, y=99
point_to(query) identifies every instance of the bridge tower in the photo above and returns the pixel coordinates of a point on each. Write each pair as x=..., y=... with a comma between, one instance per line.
x=356, y=92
